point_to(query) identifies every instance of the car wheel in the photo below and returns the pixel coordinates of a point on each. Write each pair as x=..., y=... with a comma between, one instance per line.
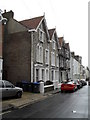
x=61, y=91
x=74, y=90
x=19, y=94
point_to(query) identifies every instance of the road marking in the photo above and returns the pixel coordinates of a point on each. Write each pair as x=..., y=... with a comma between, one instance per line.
x=74, y=111
x=5, y=112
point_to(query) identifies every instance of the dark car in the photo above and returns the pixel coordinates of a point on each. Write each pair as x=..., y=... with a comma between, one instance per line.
x=83, y=82
x=7, y=89
x=78, y=83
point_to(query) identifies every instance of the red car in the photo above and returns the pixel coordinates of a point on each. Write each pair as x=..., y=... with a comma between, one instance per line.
x=69, y=86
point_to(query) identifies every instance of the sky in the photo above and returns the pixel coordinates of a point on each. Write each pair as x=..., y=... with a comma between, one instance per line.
x=69, y=17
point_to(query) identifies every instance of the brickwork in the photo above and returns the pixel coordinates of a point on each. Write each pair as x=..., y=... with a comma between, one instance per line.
x=17, y=60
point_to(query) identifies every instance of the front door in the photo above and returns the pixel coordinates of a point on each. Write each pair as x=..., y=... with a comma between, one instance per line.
x=52, y=75
x=42, y=74
x=37, y=74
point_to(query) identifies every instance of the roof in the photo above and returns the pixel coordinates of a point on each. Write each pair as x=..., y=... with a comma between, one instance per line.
x=60, y=40
x=32, y=23
x=51, y=31
x=67, y=45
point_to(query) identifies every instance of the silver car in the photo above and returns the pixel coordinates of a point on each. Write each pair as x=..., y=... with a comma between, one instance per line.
x=7, y=89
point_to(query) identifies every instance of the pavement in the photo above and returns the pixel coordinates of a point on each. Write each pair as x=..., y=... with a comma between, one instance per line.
x=27, y=98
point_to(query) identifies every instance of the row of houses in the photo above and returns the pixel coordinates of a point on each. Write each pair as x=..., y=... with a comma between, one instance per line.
x=32, y=52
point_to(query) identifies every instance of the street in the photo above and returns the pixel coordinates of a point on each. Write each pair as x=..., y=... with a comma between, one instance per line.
x=60, y=105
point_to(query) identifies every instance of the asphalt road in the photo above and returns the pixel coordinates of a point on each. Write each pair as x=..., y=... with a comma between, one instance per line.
x=61, y=105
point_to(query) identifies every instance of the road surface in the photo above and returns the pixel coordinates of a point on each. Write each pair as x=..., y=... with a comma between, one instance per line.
x=61, y=105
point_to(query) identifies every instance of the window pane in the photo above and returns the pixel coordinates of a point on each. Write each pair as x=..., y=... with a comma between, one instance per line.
x=8, y=84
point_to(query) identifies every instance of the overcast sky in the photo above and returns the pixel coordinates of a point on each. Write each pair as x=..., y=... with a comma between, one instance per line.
x=70, y=17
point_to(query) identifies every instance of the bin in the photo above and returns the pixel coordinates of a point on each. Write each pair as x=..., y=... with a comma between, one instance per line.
x=36, y=86
x=30, y=87
x=24, y=85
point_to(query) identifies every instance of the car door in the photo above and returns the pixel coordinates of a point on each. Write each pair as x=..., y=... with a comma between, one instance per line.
x=9, y=89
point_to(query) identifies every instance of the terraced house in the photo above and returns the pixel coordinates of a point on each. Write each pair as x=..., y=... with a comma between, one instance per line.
x=39, y=48
x=54, y=56
x=64, y=59
x=77, y=70
x=26, y=50
x=16, y=50
x=33, y=53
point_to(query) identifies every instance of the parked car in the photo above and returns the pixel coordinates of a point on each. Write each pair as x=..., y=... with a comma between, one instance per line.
x=7, y=89
x=78, y=83
x=83, y=82
x=89, y=82
x=68, y=86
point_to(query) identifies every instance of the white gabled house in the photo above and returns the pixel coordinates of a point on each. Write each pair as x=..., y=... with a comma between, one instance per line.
x=39, y=48
x=77, y=70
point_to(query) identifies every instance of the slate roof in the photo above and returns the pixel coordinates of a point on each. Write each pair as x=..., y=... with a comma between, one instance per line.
x=51, y=31
x=32, y=23
x=60, y=40
x=67, y=45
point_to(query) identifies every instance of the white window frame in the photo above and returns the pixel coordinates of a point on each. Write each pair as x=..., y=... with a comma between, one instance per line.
x=57, y=75
x=41, y=35
x=47, y=56
x=57, y=60
x=36, y=74
x=43, y=75
x=47, y=74
x=52, y=59
x=39, y=53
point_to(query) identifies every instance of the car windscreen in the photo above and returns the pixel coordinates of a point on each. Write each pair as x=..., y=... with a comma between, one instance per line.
x=8, y=84
x=70, y=83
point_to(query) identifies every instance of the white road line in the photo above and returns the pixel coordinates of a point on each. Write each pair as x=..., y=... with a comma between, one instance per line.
x=5, y=112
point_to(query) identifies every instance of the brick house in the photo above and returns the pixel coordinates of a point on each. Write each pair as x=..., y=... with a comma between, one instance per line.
x=26, y=49
x=16, y=50
x=64, y=57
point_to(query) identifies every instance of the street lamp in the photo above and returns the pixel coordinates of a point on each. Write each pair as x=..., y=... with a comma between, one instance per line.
x=3, y=21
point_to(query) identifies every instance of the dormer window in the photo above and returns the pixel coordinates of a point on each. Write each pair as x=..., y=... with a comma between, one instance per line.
x=41, y=35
